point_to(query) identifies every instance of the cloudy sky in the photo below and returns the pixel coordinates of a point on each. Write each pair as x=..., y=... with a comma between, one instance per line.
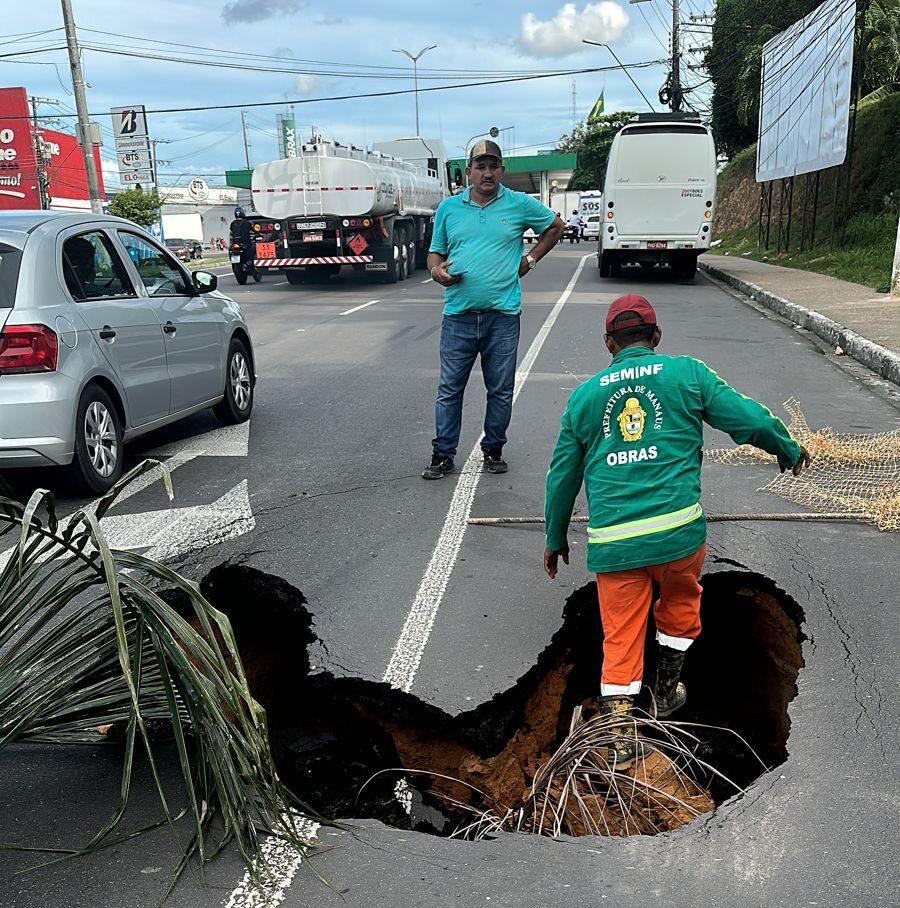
x=133, y=54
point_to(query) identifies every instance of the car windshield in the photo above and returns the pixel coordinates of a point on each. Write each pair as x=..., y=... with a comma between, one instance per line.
x=9, y=274
x=594, y=219
x=174, y=242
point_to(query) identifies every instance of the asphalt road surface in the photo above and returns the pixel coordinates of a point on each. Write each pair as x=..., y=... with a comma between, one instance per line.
x=323, y=489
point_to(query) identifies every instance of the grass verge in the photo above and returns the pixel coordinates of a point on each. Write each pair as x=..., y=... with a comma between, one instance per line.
x=866, y=258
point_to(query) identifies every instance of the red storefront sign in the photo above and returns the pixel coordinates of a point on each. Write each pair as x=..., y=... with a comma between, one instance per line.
x=63, y=160
x=18, y=175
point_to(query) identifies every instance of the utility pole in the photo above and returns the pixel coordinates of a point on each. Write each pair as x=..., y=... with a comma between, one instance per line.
x=676, y=94
x=246, y=140
x=40, y=160
x=154, y=162
x=84, y=124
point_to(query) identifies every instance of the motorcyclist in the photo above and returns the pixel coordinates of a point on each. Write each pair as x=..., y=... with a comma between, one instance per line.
x=574, y=224
x=240, y=229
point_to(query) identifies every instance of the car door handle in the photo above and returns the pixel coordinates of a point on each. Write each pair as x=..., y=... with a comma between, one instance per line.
x=107, y=333
x=169, y=328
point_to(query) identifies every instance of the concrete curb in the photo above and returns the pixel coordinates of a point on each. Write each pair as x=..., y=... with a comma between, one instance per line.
x=873, y=356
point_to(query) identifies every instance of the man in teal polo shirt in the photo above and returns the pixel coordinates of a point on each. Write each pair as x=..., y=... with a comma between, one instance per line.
x=476, y=254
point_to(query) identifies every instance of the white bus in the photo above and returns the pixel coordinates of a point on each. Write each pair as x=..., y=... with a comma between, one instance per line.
x=659, y=195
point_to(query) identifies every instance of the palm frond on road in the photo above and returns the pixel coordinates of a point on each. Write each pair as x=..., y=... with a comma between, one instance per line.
x=87, y=640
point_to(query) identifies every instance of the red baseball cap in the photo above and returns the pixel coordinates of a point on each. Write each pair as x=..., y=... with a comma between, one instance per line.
x=644, y=313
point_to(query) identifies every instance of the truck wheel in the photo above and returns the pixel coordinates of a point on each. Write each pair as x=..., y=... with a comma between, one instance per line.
x=239, y=274
x=688, y=268
x=257, y=275
x=411, y=255
x=394, y=264
x=295, y=277
x=603, y=261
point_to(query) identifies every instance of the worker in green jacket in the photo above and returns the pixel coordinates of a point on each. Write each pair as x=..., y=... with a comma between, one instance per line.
x=633, y=434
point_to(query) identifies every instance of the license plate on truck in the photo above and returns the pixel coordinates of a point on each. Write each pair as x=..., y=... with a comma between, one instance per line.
x=658, y=244
x=235, y=259
x=265, y=250
x=312, y=237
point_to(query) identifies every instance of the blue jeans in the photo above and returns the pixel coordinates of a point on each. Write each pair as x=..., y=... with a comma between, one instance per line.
x=494, y=335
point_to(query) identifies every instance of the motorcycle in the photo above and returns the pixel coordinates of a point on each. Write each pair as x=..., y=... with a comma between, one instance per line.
x=242, y=263
x=572, y=233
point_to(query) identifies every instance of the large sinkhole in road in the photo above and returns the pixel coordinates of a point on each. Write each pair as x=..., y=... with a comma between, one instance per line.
x=331, y=735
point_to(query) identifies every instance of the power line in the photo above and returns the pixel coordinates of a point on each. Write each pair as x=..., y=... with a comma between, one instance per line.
x=386, y=94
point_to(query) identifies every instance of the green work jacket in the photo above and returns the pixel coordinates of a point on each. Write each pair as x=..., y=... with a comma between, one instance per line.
x=634, y=435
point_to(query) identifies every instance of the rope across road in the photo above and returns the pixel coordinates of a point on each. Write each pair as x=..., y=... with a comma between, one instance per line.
x=710, y=518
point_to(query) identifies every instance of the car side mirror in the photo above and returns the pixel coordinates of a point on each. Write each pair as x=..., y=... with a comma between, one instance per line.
x=204, y=282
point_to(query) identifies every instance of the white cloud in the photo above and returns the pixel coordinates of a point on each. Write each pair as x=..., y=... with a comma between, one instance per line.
x=562, y=35
x=306, y=85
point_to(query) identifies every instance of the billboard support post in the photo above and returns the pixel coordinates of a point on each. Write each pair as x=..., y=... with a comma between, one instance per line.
x=862, y=7
x=84, y=125
x=895, y=273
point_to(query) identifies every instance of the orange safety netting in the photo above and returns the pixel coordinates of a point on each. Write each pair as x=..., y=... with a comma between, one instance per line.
x=851, y=474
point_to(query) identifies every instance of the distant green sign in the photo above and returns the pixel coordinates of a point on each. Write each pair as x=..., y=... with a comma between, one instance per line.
x=289, y=138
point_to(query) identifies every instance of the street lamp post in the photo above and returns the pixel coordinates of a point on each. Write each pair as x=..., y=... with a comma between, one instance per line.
x=415, y=62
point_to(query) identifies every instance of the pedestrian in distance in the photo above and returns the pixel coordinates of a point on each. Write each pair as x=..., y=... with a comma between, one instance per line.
x=476, y=254
x=633, y=434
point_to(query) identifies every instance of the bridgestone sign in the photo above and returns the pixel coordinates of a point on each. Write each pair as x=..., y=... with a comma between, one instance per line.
x=804, y=108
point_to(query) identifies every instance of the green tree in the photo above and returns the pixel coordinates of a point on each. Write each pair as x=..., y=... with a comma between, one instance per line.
x=592, y=142
x=136, y=205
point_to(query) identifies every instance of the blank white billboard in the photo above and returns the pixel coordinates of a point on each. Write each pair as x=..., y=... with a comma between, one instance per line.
x=804, y=108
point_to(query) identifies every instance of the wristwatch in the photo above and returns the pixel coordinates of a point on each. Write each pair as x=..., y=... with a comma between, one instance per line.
x=532, y=261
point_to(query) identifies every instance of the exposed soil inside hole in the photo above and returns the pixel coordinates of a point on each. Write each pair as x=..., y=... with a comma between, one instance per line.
x=332, y=735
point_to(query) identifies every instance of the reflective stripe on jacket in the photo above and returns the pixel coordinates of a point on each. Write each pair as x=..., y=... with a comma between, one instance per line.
x=634, y=435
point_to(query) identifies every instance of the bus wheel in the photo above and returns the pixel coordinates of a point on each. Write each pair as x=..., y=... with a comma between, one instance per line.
x=604, y=264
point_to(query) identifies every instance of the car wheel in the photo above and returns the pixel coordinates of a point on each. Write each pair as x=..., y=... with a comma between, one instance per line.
x=97, y=464
x=237, y=403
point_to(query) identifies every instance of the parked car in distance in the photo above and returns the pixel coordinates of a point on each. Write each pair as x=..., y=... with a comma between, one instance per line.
x=591, y=228
x=179, y=248
x=195, y=248
x=105, y=336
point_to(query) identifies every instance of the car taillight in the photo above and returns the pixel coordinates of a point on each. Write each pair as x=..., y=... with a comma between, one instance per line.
x=28, y=348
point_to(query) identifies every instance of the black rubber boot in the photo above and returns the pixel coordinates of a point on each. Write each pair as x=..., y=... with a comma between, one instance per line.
x=624, y=748
x=670, y=693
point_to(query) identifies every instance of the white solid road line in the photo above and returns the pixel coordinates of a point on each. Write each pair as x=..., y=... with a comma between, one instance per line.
x=407, y=654
x=357, y=308
x=427, y=280
x=277, y=866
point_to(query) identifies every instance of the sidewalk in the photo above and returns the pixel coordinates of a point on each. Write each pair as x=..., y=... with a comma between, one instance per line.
x=863, y=323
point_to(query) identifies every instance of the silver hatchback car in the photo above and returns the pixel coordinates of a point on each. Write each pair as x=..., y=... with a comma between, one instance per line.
x=105, y=336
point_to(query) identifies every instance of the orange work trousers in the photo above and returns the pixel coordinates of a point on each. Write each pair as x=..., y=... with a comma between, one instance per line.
x=625, y=599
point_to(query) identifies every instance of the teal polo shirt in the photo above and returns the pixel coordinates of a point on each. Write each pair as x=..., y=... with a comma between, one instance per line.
x=486, y=243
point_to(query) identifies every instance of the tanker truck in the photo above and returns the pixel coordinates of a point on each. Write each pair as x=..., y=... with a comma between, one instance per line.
x=339, y=205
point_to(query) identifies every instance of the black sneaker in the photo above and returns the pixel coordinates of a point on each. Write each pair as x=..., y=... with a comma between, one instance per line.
x=440, y=466
x=494, y=462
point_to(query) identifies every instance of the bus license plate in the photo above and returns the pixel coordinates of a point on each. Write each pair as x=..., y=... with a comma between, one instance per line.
x=312, y=237
x=658, y=244
x=265, y=250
